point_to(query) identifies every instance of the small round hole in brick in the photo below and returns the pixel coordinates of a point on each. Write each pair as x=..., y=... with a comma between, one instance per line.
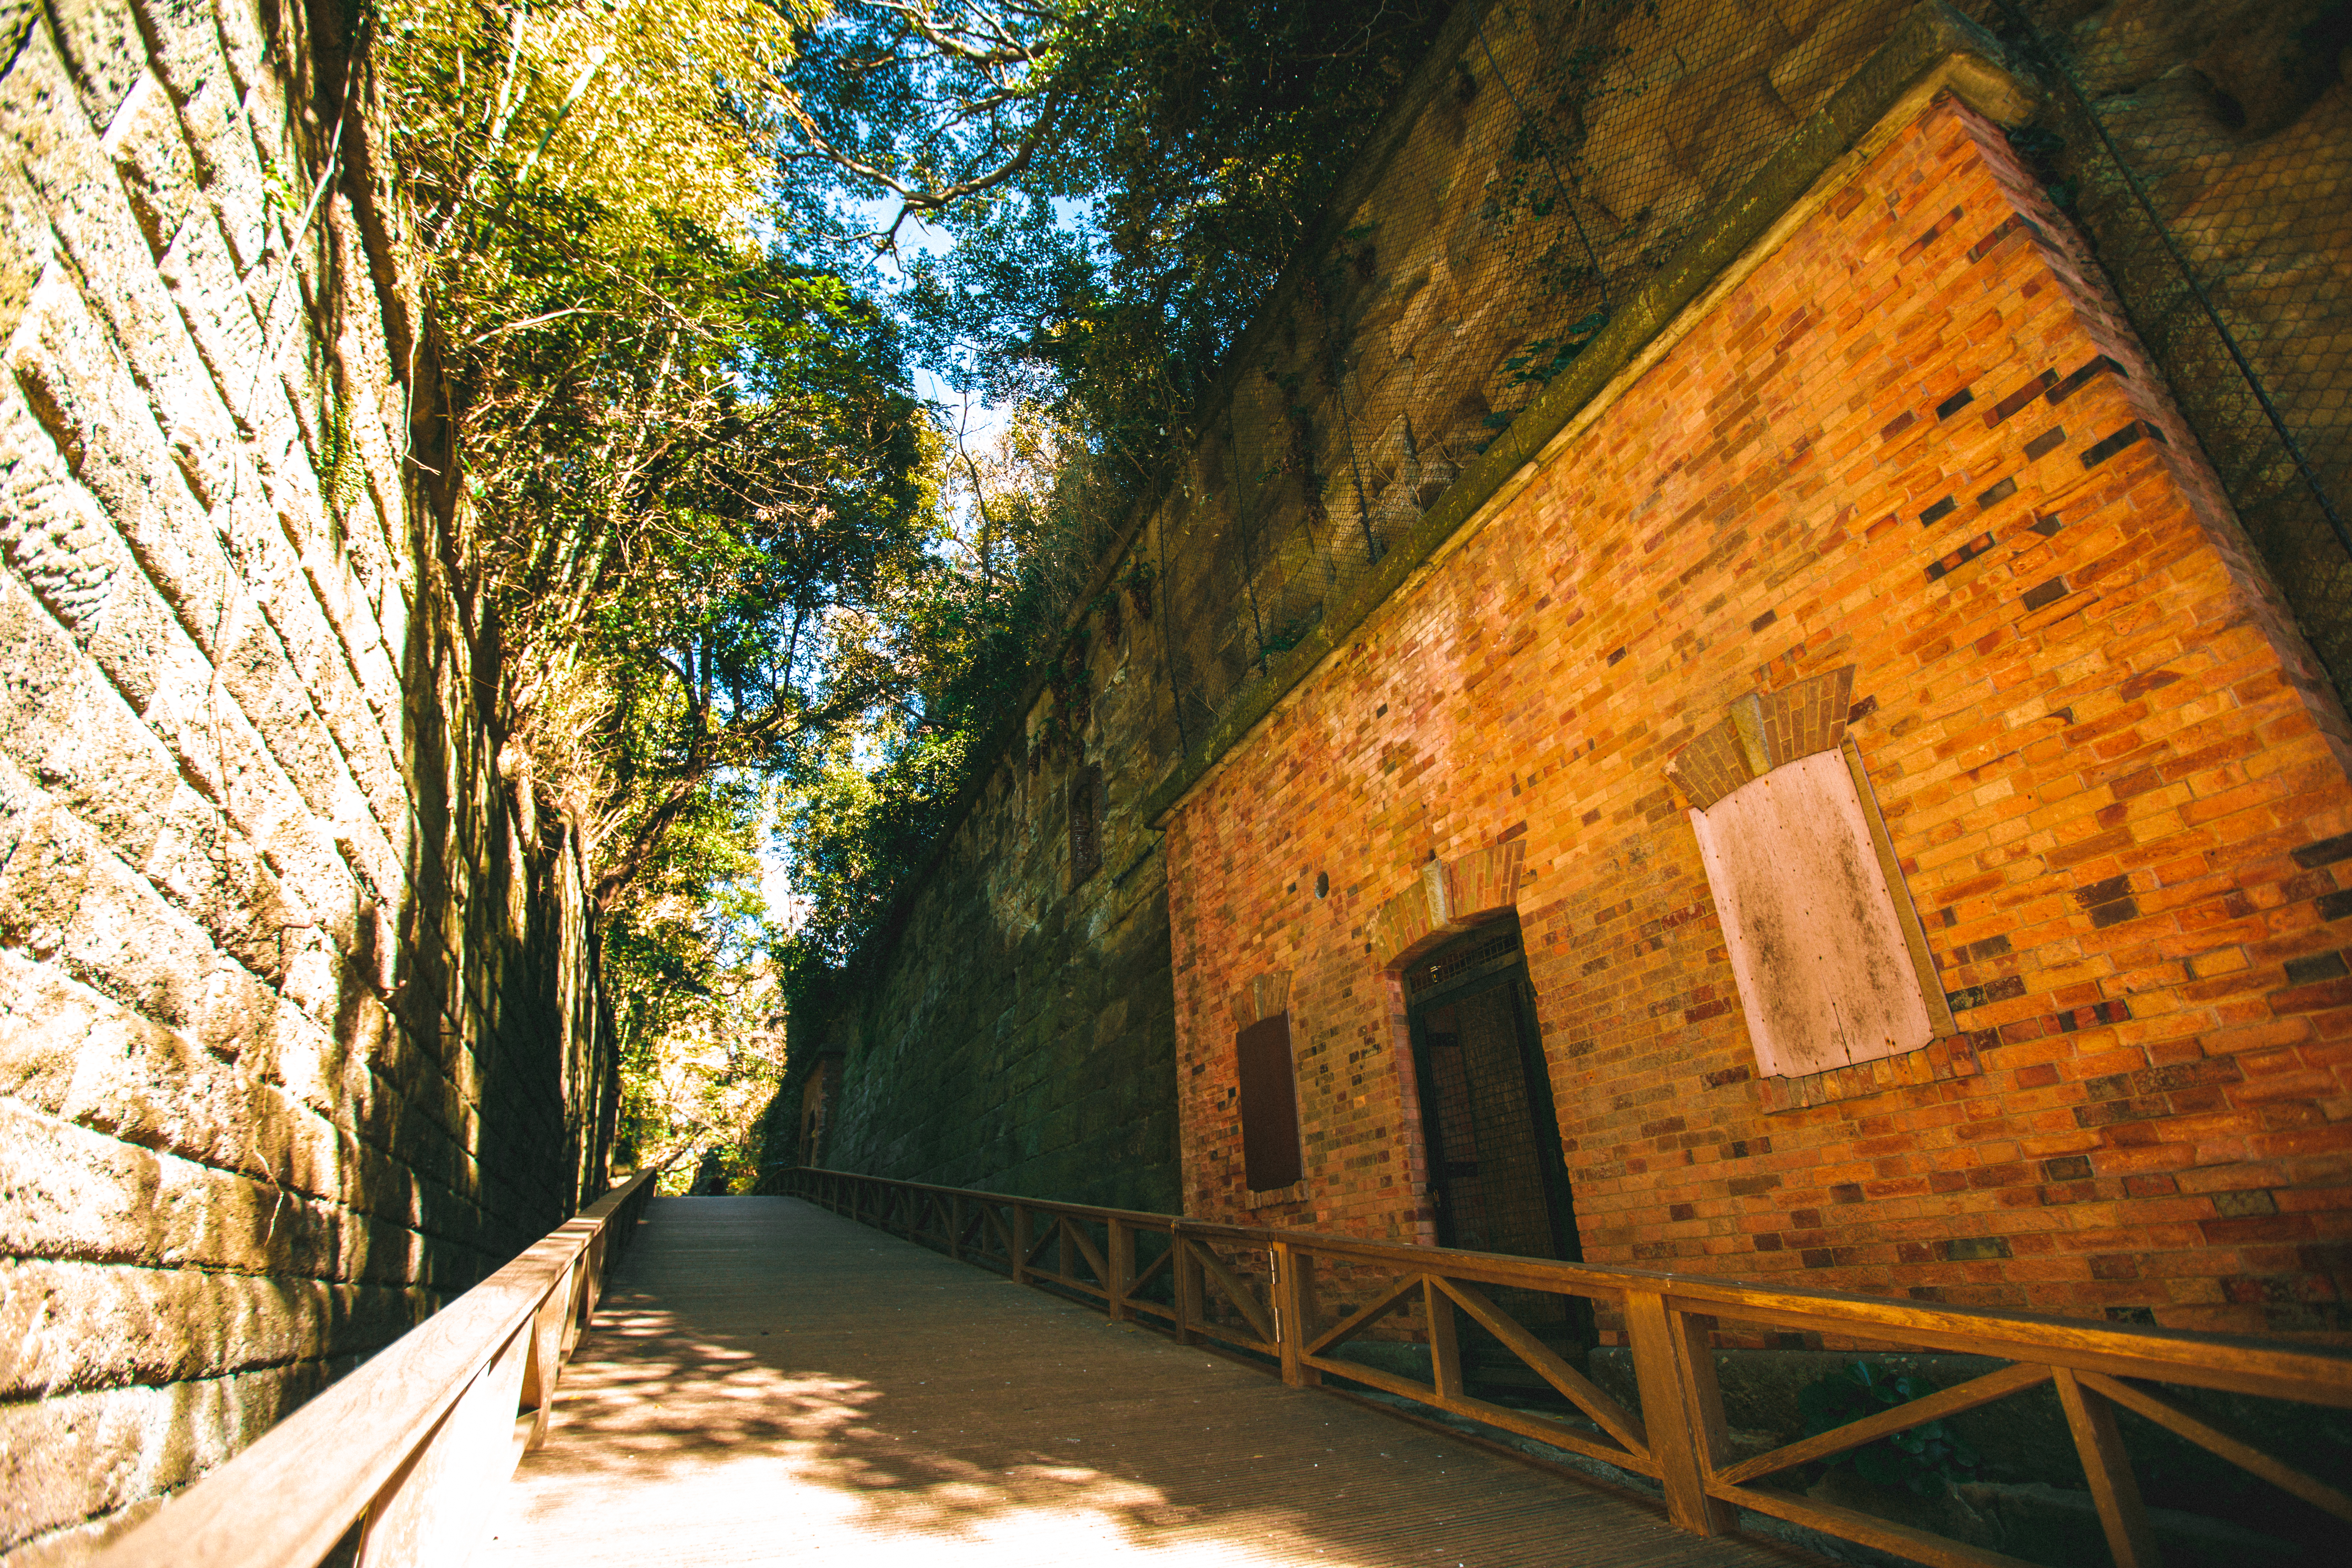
x=1322, y=884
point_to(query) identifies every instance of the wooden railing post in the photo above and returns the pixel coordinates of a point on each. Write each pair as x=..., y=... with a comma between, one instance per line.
x=546, y=1362
x=1121, y=1258
x=1021, y=1244
x=2113, y=1488
x=955, y=1227
x=1187, y=1269
x=1682, y=1409
x=1293, y=1312
x=1445, y=1349
x=1064, y=1260
x=576, y=1306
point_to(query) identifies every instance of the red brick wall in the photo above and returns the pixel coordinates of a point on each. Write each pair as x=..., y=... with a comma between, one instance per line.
x=1916, y=441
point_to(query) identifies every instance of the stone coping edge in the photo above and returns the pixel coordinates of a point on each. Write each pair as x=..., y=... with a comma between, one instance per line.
x=1933, y=49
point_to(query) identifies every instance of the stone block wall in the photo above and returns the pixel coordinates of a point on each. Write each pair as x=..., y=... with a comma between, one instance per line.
x=300, y=1034
x=1546, y=161
x=1917, y=440
x=1019, y=1033
x=2235, y=121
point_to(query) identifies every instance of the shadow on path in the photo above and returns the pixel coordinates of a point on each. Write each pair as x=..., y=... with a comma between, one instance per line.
x=768, y=1383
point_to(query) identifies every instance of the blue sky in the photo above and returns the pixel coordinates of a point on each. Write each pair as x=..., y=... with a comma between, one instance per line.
x=978, y=422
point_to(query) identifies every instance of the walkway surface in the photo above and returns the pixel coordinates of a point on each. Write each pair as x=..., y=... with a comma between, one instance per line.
x=768, y=1383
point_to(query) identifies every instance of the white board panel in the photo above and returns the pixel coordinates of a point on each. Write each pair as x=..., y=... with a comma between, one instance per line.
x=1824, y=977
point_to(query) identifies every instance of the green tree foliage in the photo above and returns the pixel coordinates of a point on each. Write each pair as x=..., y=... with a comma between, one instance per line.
x=866, y=809
x=1194, y=141
x=1123, y=182
x=707, y=538
x=695, y=479
x=693, y=496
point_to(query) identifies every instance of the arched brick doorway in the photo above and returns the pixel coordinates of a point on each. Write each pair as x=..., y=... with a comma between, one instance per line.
x=1465, y=1018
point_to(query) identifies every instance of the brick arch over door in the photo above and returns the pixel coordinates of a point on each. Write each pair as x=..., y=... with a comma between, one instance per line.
x=1447, y=898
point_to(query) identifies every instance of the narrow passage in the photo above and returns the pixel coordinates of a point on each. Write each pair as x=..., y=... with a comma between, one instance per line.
x=768, y=1383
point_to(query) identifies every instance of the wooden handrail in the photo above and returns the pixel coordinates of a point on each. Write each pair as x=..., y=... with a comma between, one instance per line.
x=1678, y=1438
x=410, y=1448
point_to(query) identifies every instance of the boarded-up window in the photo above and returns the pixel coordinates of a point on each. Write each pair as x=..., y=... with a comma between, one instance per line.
x=1269, y=1099
x=1827, y=973
x=1086, y=825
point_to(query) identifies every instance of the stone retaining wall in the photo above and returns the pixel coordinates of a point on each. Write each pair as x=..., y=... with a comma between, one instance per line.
x=1020, y=1033
x=299, y=1027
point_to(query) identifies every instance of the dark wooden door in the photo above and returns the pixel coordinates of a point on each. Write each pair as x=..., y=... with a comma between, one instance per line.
x=1491, y=1127
x=1485, y=1152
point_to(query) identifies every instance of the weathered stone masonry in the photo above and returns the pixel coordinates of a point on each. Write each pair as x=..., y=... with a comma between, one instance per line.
x=299, y=1033
x=1020, y=1035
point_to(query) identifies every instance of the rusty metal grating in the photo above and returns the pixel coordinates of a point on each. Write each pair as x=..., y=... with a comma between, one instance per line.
x=1504, y=944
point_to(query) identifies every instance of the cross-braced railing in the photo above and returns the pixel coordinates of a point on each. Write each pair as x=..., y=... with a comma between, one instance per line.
x=1255, y=1289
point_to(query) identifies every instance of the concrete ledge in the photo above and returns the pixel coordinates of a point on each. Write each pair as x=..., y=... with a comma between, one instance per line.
x=1935, y=49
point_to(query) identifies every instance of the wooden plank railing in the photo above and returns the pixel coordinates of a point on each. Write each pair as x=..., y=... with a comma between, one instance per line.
x=403, y=1459
x=1260, y=1297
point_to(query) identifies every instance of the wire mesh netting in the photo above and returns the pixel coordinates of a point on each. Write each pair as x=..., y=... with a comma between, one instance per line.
x=2205, y=149
x=1568, y=151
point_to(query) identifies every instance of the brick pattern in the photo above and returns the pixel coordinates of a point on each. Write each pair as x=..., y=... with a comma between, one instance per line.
x=1806, y=716
x=1711, y=766
x=1262, y=998
x=298, y=1035
x=1919, y=441
x=1764, y=730
x=1446, y=899
x=1946, y=1059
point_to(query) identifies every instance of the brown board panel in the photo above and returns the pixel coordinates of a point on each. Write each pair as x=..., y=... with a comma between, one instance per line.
x=1269, y=1105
